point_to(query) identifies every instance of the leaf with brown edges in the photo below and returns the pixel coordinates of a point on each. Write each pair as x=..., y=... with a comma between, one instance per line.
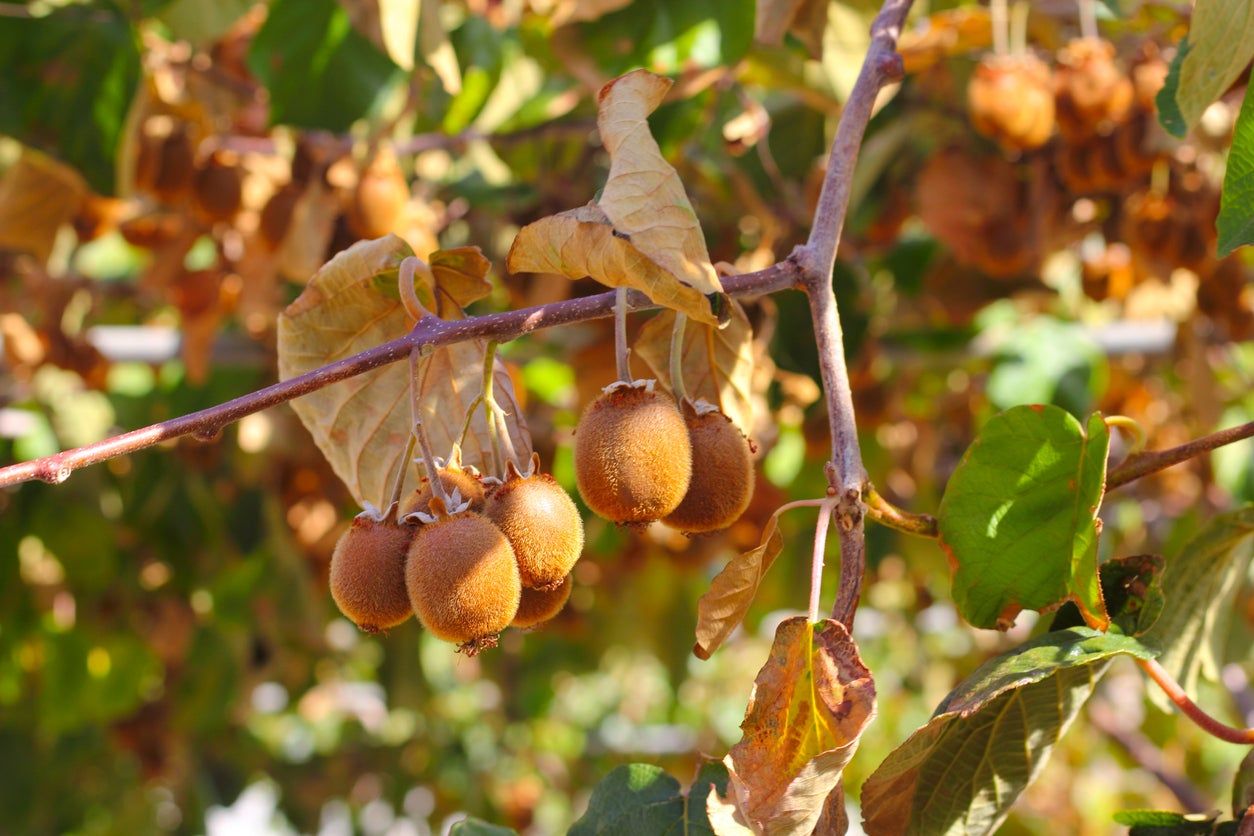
x=811, y=702
x=581, y=242
x=725, y=603
x=718, y=363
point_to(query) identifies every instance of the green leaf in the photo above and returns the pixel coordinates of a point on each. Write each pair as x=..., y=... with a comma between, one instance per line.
x=1198, y=582
x=1166, y=823
x=961, y=772
x=320, y=71
x=643, y=798
x=478, y=827
x=1018, y=518
x=1220, y=46
x=202, y=22
x=1132, y=588
x=68, y=81
x=1236, y=208
x=1048, y=361
x=668, y=37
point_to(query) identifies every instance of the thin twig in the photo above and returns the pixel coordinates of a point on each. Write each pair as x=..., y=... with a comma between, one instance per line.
x=816, y=559
x=402, y=468
x=998, y=19
x=677, y=358
x=885, y=513
x=420, y=431
x=1190, y=709
x=1088, y=18
x=206, y=424
x=620, y=335
x=1142, y=464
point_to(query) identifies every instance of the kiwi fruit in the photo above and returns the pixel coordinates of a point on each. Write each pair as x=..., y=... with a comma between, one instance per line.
x=368, y=573
x=633, y=460
x=1092, y=92
x=174, y=166
x=1011, y=101
x=453, y=477
x=541, y=523
x=722, y=473
x=462, y=578
x=218, y=186
x=379, y=198
x=537, y=606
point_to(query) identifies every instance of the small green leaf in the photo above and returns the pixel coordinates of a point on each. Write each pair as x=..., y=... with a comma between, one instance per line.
x=68, y=81
x=478, y=827
x=1018, y=518
x=319, y=70
x=1236, y=208
x=960, y=773
x=1169, y=114
x=1198, y=583
x=1166, y=823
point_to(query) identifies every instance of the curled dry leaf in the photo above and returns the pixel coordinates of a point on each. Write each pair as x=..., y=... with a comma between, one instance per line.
x=361, y=424
x=37, y=196
x=312, y=224
x=811, y=702
x=725, y=603
x=581, y=242
x=718, y=364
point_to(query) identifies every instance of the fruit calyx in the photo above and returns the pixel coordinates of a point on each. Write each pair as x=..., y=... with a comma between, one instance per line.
x=438, y=510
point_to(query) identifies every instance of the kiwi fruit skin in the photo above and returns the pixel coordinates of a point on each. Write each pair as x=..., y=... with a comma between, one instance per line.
x=368, y=574
x=722, y=476
x=462, y=579
x=542, y=525
x=536, y=606
x=219, y=185
x=453, y=479
x=633, y=460
x=379, y=198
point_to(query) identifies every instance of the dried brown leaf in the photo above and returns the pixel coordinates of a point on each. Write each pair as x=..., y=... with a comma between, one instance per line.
x=726, y=602
x=581, y=11
x=436, y=48
x=361, y=424
x=644, y=197
x=460, y=276
x=806, y=19
x=717, y=362
x=310, y=230
x=581, y=242
x=811, y=702
x=37, y=196
x=391, y=25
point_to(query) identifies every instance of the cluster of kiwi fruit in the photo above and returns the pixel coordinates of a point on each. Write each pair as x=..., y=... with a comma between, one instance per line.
x=641, y=457
x=497, y=554
x=171, y=167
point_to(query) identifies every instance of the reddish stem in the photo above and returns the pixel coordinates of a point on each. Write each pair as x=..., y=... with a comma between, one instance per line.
x=1190, y=709
x=1138, y=465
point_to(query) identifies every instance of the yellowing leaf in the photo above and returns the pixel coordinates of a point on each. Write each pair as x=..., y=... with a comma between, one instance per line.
x=37, y=196
x=581, y=242
x=362, y=424
x=582, y=11
x=461, y=275
x=804, y=18
x=725, y=603
x=644, y=197
x=436, y=49
x=717, y=363
x=810, y=703
x=391, y=25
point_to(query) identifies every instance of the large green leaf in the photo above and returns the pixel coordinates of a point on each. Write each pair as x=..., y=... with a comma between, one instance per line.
x=320, y=71
x=643, y=798
x=1018, y=518
x=962, y=771
x=1199, y=582
x=67, y=85
x=1219, y=47
x=1236, y=209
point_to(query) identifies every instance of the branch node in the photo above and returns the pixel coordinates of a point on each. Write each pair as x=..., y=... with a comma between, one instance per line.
x=54, y=473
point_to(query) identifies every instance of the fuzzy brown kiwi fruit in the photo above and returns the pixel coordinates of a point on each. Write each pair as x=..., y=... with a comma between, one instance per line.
x=541, y=523
x=368, y=573
x=453, y=477
x=379, y=198
x=633, y=460
x=1011, y=101
x=722, y=474
x=1092, y=91
x=219, y=186
x=462, y=578
x=537, y=606
x=175, y=165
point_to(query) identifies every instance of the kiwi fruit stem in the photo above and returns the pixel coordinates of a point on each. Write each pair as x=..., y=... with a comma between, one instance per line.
x=621, y=352
x=420, y=431
x=677, y=358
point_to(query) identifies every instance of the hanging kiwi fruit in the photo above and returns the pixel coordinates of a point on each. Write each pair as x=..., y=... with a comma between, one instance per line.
x=1010, y=100
x=722, y=472
x=368, y=571
x=379, y=198
x=541, y=523
x=218, y=186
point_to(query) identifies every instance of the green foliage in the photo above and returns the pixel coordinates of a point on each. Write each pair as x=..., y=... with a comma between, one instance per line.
x=1236, y=221
x=642, y=798
x=1017, y=517
x=68, y=81
x=319, y=70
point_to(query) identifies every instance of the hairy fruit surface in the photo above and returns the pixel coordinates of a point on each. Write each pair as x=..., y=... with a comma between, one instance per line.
x=1011, y=101
x=453, y=478
x=722, y=475
x=537, y=606
x=633, y=460
x=463, y=580
x=542, y=525
x=368, y=573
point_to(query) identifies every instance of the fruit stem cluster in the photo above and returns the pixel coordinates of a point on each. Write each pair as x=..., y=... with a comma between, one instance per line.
x=677, y=359
x=416, y=373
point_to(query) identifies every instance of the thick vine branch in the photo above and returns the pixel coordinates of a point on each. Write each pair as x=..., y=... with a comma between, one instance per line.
x=208, y=423
x=817, y=258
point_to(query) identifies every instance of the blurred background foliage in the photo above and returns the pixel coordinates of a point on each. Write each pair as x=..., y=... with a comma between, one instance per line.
x=170, y=659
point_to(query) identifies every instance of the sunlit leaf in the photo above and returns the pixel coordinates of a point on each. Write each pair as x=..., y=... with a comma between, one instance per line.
x=1018, y=518
x=725, y=603
x=478, y=827
x=805, y=18
x=202, y=22
x=810, y=703
x=37, y=196
x=717, y=362
x=581, y=242
x=1219, y=47
x=437, y=52
x=361, y=425
x=960, y=773
x=644, y=197
x=1198, y=582
x=1236, y=221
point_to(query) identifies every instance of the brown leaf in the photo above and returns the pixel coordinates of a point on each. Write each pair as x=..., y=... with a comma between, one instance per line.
x=724, y=817
x=717, y=363
x=361, y=425
x=436, y=48
x=810, y=703
x=581, y=11
x=37, y=196
x=644, y=197
x=313, y=222
x=725, y=603
x=581, y=242
x=804, y=18
x=460, y=276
